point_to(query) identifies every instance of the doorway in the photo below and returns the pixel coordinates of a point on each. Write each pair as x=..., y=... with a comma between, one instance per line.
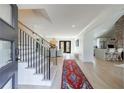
x=65, y=46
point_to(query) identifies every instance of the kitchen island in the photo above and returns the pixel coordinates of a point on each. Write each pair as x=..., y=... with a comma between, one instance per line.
x=100, y=53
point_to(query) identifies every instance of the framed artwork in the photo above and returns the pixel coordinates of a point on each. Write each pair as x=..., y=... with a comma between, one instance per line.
x=77, y=43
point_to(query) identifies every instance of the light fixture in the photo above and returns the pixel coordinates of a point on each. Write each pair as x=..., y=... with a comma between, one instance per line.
x=73, y=26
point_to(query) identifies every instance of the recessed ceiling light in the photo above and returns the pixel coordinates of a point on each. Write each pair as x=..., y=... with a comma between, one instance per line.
x=73, y=26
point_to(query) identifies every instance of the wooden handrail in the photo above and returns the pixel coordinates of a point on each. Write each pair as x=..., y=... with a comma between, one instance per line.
x=32, y=31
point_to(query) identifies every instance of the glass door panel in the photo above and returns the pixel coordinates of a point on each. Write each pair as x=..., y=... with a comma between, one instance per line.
x=62, y=46
x=5, y=52
x=65, y=46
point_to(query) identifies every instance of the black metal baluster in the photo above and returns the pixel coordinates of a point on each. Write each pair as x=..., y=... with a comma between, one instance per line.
x=36, y=56
x=33, y=53
x=29, y=46
x=28, y=51
x=42, y=59
x=44, y=62
x=39, y=59
x=31, y=50
x=20, y=42
x=25, y=47
x=49, y=62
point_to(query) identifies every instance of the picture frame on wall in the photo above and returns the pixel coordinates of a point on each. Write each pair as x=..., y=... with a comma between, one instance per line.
x=77, y=43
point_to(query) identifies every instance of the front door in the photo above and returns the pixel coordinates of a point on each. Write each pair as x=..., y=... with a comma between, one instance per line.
x=8, y=46
x=65, y=46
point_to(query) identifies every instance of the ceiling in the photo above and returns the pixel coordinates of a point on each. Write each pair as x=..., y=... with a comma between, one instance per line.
x=59, y=20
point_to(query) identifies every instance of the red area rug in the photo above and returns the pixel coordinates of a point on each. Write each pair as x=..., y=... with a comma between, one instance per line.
x=73, y=77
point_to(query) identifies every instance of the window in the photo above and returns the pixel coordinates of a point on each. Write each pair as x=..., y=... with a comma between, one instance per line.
x=5, y=52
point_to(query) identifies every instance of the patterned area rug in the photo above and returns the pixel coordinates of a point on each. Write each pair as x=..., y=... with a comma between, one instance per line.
x=73, y=77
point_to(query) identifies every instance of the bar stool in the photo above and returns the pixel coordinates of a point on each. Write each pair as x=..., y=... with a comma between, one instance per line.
x=110, y=54
x=107, y=54
x=119, y=52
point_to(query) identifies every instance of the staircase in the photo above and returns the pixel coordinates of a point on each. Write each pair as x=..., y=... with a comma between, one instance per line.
x=35, y=65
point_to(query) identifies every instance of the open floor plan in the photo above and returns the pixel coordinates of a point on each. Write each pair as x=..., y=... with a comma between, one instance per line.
x=61, y=46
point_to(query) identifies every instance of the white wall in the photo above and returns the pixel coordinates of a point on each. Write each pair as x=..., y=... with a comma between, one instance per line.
x=5, y=13
x=97, y=27
x=85, y=49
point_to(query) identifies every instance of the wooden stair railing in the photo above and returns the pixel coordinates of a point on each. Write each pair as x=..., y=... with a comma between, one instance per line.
x=35, y=50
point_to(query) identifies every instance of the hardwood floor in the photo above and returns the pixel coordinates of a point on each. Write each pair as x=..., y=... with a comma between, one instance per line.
x=103, y=74
x=57, y=80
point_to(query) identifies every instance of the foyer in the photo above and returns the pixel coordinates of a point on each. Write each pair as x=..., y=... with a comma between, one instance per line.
x=37, y=40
